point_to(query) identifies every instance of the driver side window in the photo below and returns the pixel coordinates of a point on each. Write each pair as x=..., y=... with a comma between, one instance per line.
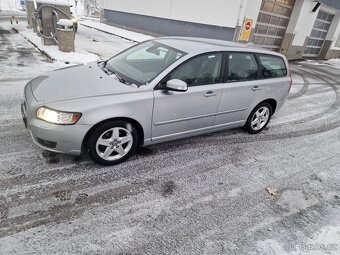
x=202, y=70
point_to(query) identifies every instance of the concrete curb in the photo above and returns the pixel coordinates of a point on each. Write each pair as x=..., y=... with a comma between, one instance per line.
x=40, y=50
x=103, y=31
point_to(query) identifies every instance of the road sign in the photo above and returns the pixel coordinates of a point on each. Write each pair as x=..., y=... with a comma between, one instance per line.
x=248, y=26
x=246, y=29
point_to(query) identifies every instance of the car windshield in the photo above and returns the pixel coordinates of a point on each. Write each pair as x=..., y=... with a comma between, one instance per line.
x=140, y=64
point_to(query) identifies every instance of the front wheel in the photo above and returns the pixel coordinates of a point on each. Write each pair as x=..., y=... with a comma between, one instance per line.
x=113, y=142
x=259, y=118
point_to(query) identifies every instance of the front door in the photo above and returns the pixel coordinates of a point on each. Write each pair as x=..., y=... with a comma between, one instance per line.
x=178, y=114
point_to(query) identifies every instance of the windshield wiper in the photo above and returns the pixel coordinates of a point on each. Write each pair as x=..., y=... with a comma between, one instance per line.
x=119, y=78
x=102, y=65
x=105, y=69
x=110, y=72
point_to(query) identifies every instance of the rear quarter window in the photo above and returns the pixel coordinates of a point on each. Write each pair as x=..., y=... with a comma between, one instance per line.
x=272, y=66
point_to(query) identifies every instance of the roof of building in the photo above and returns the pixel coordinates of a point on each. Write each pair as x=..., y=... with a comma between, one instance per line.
x=331, y=3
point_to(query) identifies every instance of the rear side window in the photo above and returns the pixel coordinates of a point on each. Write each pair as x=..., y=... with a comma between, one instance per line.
x=272, y=66
x=242, y=67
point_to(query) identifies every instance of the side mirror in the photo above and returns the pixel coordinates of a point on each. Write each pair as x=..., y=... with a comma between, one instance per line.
x=176, y=85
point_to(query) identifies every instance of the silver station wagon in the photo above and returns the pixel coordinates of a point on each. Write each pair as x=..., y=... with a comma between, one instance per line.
x=156, y=91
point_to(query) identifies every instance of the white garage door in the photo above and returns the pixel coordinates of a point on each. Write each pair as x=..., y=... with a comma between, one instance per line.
x=318, y=34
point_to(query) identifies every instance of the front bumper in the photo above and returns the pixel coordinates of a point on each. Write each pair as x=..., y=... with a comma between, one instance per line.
x=66, y=139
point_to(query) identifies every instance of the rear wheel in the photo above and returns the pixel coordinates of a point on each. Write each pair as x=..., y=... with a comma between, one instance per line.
x=259, y=118
x=113, y=142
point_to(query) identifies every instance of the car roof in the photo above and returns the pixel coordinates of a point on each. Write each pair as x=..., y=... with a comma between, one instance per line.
x=195, y=45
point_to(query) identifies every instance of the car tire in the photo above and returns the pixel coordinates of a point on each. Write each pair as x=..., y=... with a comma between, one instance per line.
x=259, y=118
x=113, y=142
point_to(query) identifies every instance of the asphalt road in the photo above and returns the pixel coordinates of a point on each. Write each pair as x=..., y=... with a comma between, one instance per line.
x=203, y=195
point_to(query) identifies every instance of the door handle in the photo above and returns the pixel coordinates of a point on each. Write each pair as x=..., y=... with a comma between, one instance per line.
x=210, y=94
x=256, y=88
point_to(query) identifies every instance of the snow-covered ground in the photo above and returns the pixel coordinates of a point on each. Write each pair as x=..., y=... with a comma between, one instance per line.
x=14, y=5
x=204, y=195
x=133, y=36
x=102, y=44
x=335, y=62
x=91, y=42
x=9, y=5
x=331, y=62
x=91, y=45
x=80, y=56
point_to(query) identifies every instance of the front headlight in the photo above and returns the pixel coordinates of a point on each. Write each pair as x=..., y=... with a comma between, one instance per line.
x=58, y=117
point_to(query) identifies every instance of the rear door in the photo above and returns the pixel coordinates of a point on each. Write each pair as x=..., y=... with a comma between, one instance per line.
x=241, y=89
x=178, y=114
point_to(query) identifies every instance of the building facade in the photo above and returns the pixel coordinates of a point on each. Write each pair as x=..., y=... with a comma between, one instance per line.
x=296, y=28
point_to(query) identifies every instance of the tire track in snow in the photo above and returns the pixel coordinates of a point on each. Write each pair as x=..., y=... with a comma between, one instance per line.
x=332, y=109
x=230, y=140
x=304, y=88
x=61, y=180
x=72, y=210
x=68, y=211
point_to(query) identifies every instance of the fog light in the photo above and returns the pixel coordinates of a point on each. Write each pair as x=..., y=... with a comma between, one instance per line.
x=46, y=143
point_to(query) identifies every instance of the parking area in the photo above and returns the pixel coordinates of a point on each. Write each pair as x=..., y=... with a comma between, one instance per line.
x=223, y=193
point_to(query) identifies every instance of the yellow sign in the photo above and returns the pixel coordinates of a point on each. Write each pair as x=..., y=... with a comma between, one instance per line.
x=246, y=29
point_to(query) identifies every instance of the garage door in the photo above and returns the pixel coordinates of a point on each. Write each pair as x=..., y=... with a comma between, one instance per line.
x=272, y=23
x=318, y=34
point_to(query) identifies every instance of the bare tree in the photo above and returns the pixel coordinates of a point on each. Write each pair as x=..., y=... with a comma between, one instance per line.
x=92, y=6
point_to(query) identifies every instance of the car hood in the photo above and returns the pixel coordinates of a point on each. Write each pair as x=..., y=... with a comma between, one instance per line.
x=76, y=82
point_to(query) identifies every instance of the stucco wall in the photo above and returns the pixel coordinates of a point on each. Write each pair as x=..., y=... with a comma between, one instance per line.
x=303, y=22
x=225, y=13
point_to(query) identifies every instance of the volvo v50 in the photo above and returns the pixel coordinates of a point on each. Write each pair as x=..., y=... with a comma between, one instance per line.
x=159, y=90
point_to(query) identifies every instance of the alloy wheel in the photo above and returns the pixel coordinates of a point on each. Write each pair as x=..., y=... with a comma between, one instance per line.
x=260, y=118
x=114, y=143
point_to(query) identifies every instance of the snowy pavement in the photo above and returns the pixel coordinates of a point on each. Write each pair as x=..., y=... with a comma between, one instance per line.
x=80, y=56
x=102, y=44
x=90, y=44
x=203, y=195
x=125, y=34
